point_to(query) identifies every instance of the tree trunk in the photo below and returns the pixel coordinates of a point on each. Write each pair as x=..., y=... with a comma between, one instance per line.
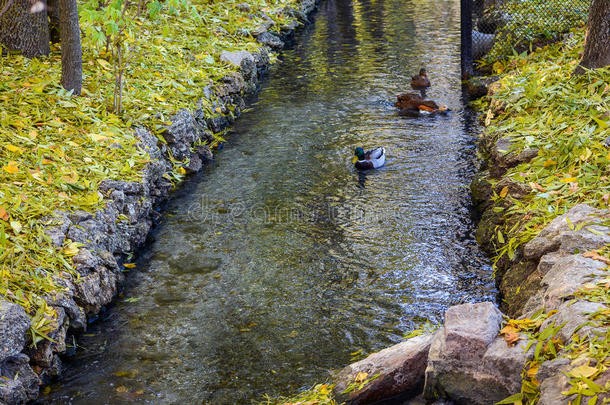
x=597, y=42
x=21, y=30
x=71, y=54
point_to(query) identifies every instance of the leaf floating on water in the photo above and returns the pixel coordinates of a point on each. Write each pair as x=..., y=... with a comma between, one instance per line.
x=129, y=265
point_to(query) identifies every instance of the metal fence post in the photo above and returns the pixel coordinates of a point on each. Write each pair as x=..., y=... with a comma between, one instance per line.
x=466, y=38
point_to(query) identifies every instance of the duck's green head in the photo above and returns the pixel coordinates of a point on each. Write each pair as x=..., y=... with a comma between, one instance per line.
x=359, y=153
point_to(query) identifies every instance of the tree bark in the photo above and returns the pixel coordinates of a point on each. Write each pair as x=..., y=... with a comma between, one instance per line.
x=71, y=53
x=597, y=40
x=21, y=30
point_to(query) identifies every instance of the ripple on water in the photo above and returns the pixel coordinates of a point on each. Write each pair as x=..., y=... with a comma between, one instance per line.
x=280, y=260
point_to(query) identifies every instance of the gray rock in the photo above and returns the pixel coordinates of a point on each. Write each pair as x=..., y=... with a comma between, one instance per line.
x=14, y=323
x=218, y=123
x=194, y=165
x=204, y=152
x=550, y=367
x=461, y=353
x=236, y=58
x=505, y=364
x=607, y=142
x=574, y=314
x=558, y=232
x=504, y=158
x=515, y=189
x=567, y=276
x=552, y=387
x=272, y=41
x=264, y=27
x=401, y=368
x=21, y=383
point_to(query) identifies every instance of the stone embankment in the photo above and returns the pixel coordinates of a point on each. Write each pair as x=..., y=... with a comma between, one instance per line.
x=468, y=361
x=106, y=240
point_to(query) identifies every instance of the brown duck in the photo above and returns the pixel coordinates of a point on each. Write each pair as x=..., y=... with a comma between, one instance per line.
x=413, y=103
x=420, y=81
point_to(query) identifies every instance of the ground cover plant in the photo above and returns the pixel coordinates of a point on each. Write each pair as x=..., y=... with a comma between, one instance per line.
x=56, y=148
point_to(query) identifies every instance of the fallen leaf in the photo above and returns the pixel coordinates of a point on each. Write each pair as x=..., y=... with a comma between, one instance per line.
x=512, y=338
x=11, y=167
x=361, y=376
x=504, y=191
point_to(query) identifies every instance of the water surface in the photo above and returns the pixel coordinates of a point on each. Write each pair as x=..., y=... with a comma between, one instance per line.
x=279, y=260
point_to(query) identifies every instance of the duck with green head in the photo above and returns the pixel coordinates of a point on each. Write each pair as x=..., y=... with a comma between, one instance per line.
x=372, y=159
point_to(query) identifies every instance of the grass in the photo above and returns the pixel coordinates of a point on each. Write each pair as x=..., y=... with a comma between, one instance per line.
x=566, y=118
x=55, y=149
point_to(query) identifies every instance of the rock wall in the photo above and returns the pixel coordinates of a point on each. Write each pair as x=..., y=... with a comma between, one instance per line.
x=124, y=224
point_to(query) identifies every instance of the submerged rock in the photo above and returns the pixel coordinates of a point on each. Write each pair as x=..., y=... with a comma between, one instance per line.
x=400, y=369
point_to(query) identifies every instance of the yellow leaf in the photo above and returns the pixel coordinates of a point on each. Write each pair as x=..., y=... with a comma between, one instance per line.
x=16, y=225
x=104, y=63
x=568, y=180
x=583, y=371
x=129, y=265
x=14, y=149
x=361, y=376
x=504, y=191
x=11, y=167
x=181, y=170
x=3, y=214
x=71, y=249
x=98, y=137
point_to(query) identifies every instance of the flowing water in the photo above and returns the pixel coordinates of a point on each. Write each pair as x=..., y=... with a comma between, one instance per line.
x=279, y=259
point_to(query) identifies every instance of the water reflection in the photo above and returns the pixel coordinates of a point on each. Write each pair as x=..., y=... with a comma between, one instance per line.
x=279, y=260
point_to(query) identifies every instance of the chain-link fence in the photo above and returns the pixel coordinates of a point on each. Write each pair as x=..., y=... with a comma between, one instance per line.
x=495, y=29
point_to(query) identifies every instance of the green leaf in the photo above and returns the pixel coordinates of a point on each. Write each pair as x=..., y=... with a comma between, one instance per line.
x=513, y=399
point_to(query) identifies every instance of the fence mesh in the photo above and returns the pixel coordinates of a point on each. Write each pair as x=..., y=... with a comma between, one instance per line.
x=501, y=27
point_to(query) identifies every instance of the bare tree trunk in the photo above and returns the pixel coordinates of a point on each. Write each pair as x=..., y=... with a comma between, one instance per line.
x=71, y=54
x=597, y=42
x=22, y=30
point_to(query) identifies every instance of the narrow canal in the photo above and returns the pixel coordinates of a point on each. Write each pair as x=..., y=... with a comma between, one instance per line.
x=279, y=260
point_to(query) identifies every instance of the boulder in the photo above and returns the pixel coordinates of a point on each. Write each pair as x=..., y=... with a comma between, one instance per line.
x=503, y=157
x=561, y=234
x=400, y=367
x=468, y=363
x=236, y=58
x=271, y=40
x=14, y=323
x=574, y=314
x=21, y=383
x=567, y=276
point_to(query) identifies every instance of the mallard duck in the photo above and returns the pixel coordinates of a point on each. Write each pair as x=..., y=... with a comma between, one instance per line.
x=420, y=81
x=372, y=159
